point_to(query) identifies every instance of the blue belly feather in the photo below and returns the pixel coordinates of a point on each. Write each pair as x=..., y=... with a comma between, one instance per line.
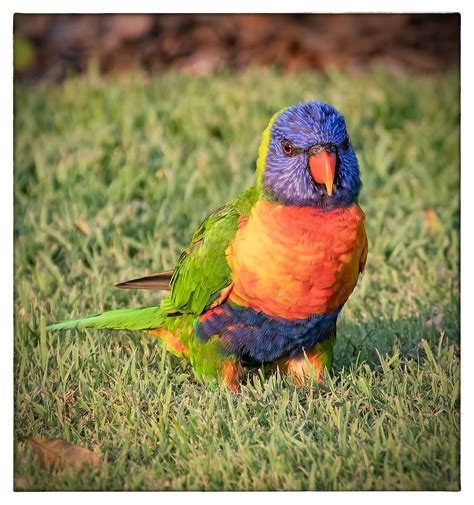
x=256, y=338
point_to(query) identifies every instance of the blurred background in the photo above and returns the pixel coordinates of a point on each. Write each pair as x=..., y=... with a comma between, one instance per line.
x=53, y=46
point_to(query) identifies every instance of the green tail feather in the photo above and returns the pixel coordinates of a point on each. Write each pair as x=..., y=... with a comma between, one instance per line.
x=124, y=319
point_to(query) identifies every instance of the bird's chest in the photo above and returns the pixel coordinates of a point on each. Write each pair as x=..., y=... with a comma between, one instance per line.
x=294, y=262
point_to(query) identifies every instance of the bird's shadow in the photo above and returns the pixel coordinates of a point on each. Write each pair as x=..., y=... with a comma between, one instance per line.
x=369, y=341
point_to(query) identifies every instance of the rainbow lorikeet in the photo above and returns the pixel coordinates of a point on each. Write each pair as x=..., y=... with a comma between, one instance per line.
x=266, y=276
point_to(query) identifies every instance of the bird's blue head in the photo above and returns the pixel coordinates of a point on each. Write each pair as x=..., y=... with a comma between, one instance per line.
x=306, y=158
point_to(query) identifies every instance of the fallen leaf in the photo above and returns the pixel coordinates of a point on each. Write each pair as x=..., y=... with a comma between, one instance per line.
x=82, y=226
x=58, y=454
x=436, y=321
x=20, y=483
x=432, y=221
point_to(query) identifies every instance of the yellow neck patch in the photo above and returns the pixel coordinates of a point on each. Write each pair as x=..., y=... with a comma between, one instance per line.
x=263, y=148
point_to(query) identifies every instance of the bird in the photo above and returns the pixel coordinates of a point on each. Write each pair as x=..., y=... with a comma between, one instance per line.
x=264, y=278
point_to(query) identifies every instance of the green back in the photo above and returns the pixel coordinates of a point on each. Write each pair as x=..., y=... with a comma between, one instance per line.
x=202, y=270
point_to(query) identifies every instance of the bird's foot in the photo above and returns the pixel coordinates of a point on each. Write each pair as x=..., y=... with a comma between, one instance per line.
x=302, y=367
x=231, y=373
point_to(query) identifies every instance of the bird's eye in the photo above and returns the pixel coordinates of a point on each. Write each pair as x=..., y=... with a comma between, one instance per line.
x=287, y=147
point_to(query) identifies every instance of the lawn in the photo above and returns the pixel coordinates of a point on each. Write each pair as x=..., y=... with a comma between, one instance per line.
x=112, y=176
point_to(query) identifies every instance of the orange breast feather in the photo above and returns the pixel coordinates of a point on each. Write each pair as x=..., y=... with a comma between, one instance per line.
x=294, y=262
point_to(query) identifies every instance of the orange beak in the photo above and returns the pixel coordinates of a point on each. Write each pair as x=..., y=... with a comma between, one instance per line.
x=323, y=169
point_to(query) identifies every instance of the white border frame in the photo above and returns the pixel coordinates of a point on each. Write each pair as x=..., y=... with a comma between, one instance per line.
x=7, y=10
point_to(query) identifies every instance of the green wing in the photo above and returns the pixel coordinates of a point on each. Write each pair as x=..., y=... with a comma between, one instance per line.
x=202, y=270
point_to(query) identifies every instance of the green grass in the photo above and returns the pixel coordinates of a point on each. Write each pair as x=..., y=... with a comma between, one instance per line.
x=142, y=162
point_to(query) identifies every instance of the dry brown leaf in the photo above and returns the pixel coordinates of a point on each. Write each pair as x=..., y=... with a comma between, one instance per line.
x=58, y=454
x=436, y=321
x=82, y=226
x=20, y=483
x=432, y=221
